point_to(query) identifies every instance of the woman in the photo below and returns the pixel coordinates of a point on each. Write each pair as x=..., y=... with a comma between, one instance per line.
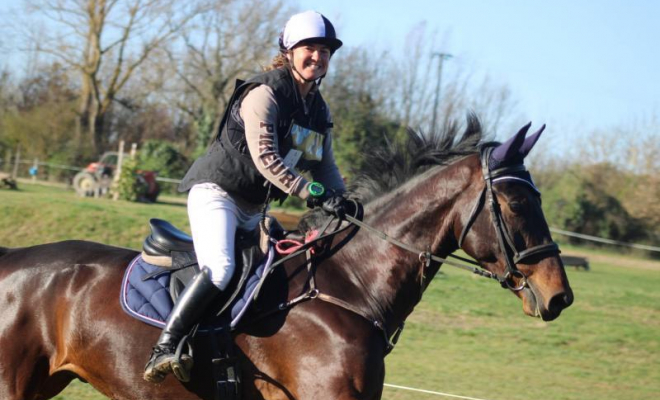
x=276, y=125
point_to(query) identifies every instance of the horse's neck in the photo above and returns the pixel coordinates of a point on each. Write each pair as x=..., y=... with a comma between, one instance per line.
x=420, y=214
x=422, y=211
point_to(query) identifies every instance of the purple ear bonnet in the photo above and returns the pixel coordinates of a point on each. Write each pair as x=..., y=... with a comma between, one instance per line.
x=513, y=152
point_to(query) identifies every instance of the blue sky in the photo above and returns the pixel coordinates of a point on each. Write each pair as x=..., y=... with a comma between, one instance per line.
x=581, y=64
x=578, y=65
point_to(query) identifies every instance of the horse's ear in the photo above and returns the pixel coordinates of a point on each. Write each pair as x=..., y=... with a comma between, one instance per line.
x=530, y=142
x=510, y=150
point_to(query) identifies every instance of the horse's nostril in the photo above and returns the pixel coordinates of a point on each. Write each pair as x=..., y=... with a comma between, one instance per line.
x=568, y=299
x=559, y=302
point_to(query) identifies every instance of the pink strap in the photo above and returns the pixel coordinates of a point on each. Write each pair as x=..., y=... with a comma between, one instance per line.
x=288, y=246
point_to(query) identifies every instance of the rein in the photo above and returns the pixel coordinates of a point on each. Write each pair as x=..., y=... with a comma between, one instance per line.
x=424, y=256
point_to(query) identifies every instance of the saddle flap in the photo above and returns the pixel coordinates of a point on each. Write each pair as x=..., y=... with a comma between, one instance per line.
x=247, y=245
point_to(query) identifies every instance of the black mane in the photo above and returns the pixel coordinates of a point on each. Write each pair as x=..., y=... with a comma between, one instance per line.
x=391, y=166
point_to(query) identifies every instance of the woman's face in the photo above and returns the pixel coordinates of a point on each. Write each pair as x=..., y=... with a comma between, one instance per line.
x=311, y=61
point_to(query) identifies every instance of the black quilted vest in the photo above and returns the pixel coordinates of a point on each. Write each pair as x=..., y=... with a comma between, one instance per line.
x=227, y=161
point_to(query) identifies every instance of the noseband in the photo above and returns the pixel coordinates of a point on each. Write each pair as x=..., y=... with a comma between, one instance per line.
x=504, y=239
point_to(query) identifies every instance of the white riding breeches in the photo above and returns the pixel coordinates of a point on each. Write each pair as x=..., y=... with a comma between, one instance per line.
x=214, y=218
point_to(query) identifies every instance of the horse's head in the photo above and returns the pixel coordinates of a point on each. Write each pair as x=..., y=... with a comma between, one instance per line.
x=506, y=232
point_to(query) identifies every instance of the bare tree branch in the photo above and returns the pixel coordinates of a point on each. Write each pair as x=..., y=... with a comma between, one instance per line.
x=107, y=41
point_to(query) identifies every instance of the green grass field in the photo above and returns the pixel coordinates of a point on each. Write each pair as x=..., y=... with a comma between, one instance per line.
x=467, y=337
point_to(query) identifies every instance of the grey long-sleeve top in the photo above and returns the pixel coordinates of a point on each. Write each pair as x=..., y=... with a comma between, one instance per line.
x=259, y=111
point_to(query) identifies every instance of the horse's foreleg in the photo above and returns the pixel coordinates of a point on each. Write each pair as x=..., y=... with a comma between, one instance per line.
x=25, y=366
x=29, y=345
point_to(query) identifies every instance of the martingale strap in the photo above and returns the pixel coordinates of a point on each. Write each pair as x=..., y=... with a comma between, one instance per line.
x=313, y=293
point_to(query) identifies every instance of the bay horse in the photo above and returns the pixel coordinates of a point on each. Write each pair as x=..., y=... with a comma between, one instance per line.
x=60, y=317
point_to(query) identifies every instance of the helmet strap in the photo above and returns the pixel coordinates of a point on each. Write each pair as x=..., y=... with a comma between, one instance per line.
x=302, y=77
x=318, y=80
x=293, y=68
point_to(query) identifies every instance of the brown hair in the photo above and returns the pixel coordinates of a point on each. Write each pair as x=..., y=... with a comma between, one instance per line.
x=279, y=61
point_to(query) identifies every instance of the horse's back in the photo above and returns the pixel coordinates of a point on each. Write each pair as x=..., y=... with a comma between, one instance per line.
x=62, y=252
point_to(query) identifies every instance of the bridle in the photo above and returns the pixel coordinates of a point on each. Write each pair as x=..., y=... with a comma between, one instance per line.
x=504, y=239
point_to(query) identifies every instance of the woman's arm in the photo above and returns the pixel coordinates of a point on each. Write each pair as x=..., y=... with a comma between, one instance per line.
x=259, y=111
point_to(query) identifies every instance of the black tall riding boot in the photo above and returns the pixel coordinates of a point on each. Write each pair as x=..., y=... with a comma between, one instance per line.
x=187, y=311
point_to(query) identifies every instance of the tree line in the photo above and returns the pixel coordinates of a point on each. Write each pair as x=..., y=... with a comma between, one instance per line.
x=159, y=73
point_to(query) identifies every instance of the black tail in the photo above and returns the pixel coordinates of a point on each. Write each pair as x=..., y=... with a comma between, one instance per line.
x=3, y=251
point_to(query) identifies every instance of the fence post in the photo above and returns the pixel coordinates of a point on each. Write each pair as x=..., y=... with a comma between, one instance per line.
x=14, y=173
x=35, y=168
x=6, y=163
x=120, y=160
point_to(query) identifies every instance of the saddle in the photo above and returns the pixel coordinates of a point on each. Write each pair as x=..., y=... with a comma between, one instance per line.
x=172, y=251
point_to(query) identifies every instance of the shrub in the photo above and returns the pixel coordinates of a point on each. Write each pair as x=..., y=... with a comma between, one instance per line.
x=128, y=187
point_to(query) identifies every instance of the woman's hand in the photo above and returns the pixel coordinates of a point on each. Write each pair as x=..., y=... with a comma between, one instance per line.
x=330, y=202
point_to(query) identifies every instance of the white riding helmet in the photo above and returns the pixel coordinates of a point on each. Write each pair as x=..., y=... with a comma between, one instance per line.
x=309, y=26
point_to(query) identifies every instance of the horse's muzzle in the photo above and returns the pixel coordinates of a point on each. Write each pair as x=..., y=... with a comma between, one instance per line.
x=535, y=305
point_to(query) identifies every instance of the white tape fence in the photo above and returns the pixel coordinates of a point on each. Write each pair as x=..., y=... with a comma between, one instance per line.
x=603, y=240
x=454, y=396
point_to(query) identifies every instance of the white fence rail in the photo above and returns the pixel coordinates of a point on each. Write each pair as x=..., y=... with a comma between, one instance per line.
x=41, y=172
x=604, y=240
x=455, y=396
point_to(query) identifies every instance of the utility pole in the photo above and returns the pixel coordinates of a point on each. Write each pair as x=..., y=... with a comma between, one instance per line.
x=441, y=57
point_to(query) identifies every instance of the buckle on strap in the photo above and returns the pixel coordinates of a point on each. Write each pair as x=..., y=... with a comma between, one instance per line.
x=425, y=258
x=507, y=281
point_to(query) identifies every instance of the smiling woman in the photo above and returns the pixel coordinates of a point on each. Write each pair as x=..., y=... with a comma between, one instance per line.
x=276, y=127
x=310, y=62
x=308, y=41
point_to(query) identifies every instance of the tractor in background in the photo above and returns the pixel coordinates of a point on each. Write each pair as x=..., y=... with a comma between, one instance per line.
x=95, y=180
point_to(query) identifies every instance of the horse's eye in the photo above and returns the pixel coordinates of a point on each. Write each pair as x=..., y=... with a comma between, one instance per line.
x=516, y=207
